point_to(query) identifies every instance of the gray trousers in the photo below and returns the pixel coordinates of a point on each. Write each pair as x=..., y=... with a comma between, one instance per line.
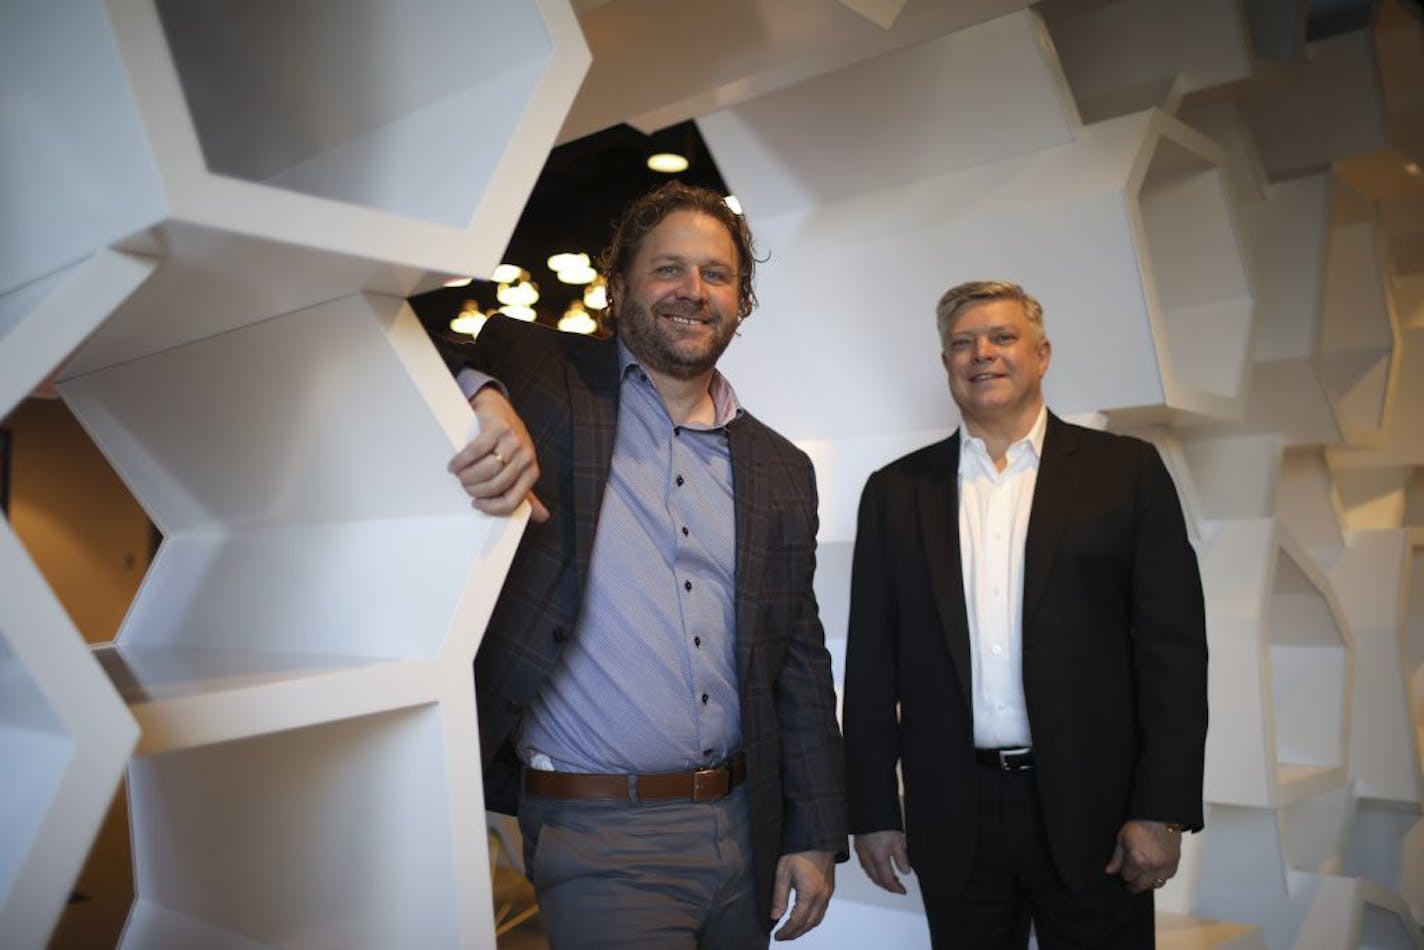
x=660, y=876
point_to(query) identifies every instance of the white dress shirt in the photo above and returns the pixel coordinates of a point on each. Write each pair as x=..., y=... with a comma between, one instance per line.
x=994, y=509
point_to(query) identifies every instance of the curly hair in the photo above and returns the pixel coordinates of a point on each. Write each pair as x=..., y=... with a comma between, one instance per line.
x=649, y=211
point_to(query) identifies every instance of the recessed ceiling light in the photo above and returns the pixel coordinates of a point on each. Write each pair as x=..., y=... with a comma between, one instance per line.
x=667, y=162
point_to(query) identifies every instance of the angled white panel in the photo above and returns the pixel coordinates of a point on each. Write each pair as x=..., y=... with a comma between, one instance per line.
x=1358, y=352
x=641, y=73
x=78, y=170
x=64, y=738
x=1235, y=475
x=1329, y=108
x=1175, y=49
x=835, y=146
x=1304, y=505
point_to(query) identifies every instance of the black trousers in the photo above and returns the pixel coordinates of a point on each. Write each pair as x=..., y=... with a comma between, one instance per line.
x=1014, y=883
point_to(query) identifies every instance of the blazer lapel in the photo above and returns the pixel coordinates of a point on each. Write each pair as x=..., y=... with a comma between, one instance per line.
x=749, y=499
x=592, y=378
x=938, y=503
x=1053, y=495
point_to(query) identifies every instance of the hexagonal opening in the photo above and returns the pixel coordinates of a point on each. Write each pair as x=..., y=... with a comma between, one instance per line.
x=406, y=107
x=1195, y=261
x=281, y=837
x=291, y=549
x=1309, y=675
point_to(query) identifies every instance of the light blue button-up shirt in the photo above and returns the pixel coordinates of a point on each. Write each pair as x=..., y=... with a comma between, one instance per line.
x=648, y=682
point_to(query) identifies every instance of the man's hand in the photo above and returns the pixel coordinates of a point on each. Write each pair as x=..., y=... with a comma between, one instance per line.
x=498, y=468
x=812, y=875
x=1146, y=855
x=880, y=853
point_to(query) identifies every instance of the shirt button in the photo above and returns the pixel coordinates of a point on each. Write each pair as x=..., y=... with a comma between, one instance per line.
x=697, y=642
x=679, y=481
x=684, y=531
x=687, y=585
x=996, y=649
x=704, y=699
x=677, y=430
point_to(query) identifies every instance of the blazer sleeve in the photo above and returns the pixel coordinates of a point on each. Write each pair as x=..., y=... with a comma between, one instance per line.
x=869, y=713
x=813, y=783
x=1169, y=654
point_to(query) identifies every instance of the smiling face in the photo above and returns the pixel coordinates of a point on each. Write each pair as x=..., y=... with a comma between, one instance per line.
x=677, y=306
x=995, y=360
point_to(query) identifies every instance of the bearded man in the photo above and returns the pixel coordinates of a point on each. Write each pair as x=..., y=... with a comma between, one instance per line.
x=654, y=693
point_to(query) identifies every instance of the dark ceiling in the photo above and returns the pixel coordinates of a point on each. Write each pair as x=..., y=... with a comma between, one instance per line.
x=583, y=188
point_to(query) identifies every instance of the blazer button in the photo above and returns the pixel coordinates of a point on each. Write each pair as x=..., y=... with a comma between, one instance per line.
x=560, y=634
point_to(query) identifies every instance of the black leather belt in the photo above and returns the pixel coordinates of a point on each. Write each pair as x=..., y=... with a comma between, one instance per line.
x=1006, y=760
x=702, y=785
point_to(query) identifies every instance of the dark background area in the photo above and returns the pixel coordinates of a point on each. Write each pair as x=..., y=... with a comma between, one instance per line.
x=584, y=187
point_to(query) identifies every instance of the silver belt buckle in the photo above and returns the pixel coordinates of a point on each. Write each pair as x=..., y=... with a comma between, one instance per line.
x=1008, y=759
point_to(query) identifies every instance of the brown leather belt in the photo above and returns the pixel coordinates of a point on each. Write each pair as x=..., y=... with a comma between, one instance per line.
x=703, y=785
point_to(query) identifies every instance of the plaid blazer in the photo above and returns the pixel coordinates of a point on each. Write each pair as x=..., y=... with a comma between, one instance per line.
x=565, y=388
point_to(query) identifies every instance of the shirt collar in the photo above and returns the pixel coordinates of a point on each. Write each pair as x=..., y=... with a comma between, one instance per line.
x=725, y=406
x=970, y=446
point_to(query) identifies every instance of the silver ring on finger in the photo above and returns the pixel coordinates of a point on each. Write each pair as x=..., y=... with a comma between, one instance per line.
x=499, y=458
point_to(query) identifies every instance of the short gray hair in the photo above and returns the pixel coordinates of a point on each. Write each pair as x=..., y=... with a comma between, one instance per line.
x=958, y=297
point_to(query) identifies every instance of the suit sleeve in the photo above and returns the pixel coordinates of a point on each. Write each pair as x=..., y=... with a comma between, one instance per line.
x=813, y=782
x=1169, y=654
x=871, y=721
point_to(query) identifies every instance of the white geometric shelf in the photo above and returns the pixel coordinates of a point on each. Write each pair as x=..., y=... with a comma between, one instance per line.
x=64, y=733
x=321, y=576
x=271, y=184
x=409, y=143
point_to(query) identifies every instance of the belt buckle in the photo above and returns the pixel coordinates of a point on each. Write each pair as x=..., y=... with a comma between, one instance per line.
x=1009, y=760
x=710, y=784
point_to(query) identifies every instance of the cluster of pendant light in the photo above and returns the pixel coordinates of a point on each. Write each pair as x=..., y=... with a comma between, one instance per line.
x=517, y=293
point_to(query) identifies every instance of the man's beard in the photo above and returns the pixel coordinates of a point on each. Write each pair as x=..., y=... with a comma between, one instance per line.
x=639, y=329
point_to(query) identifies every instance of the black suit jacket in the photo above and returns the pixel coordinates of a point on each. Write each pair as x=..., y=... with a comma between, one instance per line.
x=565, y=388
x=1114, y=654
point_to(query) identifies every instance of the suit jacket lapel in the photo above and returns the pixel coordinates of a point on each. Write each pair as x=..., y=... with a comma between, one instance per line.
x=1053, y=495
x=592, y=378
x=751, y=505
x=938, y=502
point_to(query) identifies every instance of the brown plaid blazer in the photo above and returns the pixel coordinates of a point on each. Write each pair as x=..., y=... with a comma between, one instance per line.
x=565, y=388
